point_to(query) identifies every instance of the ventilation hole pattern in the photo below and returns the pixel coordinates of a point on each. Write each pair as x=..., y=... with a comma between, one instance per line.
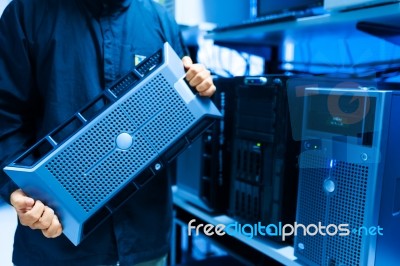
x=312, y=202
x=155, y=112
x=116, y=171
x=173, y=116
x=144, y=104
x=347, y=206
x=71, y=164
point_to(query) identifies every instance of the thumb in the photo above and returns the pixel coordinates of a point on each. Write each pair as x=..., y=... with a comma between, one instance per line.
x=20, y=201
x=187, y=62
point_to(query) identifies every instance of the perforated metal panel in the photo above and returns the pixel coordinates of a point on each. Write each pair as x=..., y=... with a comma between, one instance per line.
x=346, y=205
x=312, y=202
x=162, y=129
x=70, y=167
x=153, y=129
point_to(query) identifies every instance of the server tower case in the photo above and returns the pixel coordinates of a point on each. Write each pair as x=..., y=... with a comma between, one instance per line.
x=349, y=175
x=90, y=165
x=264, y=159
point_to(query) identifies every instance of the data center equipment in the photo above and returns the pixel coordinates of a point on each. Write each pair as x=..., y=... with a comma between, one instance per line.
x=296, y=7
x=268, y=12
x=203, y=170
x=348, y=210
x=340, y=5
x=90, y=165
x=264, y=168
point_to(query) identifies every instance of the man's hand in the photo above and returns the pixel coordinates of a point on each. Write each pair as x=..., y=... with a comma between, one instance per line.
x=198, y=77
x=35, y=214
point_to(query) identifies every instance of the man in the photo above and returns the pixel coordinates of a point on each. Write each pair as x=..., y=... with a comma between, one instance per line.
x=55, y=56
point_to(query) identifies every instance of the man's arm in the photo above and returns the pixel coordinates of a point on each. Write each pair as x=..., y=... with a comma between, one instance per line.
x=17, y=129
x=15, y=81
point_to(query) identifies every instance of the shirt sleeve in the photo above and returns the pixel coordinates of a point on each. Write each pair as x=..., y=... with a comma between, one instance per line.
x=16, y=92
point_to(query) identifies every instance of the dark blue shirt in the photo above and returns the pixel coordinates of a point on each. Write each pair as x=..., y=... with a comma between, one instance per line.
x=55, y=56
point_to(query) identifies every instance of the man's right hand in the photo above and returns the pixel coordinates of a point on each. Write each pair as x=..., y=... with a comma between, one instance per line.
x=35, y=214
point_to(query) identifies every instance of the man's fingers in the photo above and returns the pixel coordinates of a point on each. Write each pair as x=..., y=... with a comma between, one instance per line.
x=193, y=71
x=35, y=214
x=201, y=77
x=29, y=211
x=208, y=92
x=54, y=230
x=32, y=216
x=45, y=220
